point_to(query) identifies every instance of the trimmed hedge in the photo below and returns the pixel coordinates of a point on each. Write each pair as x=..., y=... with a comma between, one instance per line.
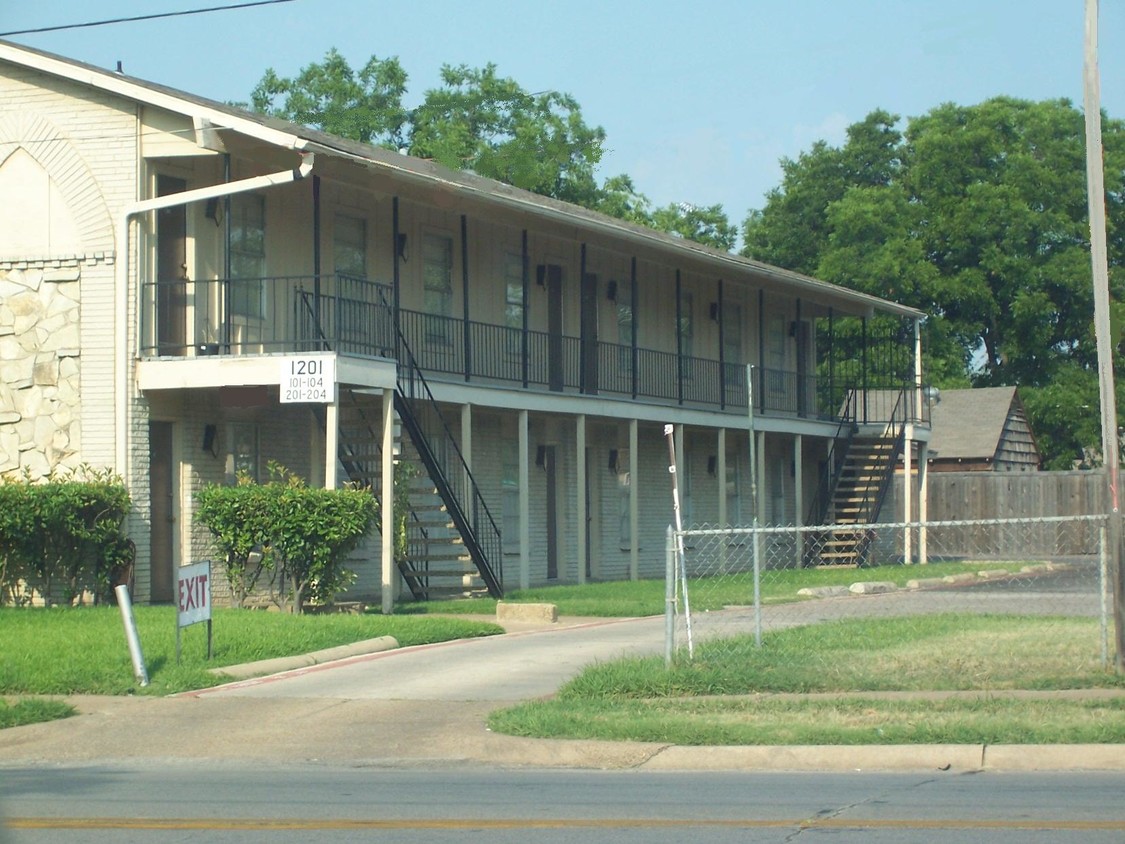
x=63, y=535
x=286, y=537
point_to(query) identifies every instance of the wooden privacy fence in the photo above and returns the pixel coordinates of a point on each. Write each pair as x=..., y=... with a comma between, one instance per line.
x=956, y=496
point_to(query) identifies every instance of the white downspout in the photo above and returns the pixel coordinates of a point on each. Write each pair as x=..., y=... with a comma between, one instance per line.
x=122, y=465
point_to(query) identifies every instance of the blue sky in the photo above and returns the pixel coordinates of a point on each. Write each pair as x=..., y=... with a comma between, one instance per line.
x=699, y=101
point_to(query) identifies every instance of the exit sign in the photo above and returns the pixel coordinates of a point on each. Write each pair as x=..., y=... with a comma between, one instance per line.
x=193, y=593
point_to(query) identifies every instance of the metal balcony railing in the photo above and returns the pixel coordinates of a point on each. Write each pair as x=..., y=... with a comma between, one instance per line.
x=354, y=316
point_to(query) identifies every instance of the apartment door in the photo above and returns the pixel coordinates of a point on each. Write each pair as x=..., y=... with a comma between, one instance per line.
x=556, y=358
x=171, y=271
x=589, y=328
x=550, y=467
x=161, y=478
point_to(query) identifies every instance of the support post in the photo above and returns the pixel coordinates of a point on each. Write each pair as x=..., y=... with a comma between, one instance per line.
x=332, y=440
x=387, y=505
x=634, y=504
x=525, y=503
x=581, y=503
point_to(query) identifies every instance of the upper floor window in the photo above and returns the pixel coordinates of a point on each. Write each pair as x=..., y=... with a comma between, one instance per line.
x=248, y=255
x=625, y=326
x=513, y=291
x=349, y=246
x=686, y=331
x=437, y=273
x=733, y=371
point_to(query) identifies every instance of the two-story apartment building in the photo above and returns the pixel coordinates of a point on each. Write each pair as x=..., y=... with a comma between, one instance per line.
x=190, y=291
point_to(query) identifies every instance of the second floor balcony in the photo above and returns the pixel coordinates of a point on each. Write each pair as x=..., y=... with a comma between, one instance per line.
x=357, y=317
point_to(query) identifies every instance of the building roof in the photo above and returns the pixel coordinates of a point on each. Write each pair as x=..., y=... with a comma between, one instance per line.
x=969, y=424
x=214, y=115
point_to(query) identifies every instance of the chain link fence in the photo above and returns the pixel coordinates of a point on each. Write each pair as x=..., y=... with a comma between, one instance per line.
x=729, y=585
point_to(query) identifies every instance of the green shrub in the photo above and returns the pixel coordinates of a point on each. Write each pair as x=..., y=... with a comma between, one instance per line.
x=294, y=537
x=63, y=533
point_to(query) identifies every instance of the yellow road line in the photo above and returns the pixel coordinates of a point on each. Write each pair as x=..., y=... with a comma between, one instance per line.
x=297, y=824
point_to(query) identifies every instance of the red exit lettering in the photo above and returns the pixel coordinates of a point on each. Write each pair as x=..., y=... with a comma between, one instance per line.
x=193, y=593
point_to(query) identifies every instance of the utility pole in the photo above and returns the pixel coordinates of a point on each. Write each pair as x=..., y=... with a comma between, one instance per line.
x=1095, y=188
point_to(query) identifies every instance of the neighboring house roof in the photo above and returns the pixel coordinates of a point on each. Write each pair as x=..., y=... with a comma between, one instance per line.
x=209, y=114
x=985, y=425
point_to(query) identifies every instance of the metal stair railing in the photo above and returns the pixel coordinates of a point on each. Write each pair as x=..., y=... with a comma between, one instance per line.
x=357, y=470
x=834, y=466
x=896, y=434
x=464, y=499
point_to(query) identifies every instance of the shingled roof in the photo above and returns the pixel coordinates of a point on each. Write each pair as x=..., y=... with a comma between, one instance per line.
x=986, y=425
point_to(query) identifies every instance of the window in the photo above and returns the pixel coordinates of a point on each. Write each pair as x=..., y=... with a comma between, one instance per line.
x=513, y=291
x=245, y=450
x=248, y=255
x=734, y=372
x=625, y=522
x=733, y=490
x=437, y=273
x=513, y=308
x=626, y=328
x=349, y=246
x=354, y=317
x=686, y=332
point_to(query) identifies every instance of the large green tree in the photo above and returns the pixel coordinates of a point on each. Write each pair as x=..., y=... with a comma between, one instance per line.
x=976, y=215
x=480, y=121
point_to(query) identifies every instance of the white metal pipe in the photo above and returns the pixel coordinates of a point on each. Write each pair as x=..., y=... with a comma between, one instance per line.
x=121, y=283
x=131, y=637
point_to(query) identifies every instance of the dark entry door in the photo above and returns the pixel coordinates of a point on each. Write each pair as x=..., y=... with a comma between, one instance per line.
x=589, y=319
x=161, y=478
x=550, y=468
x=171, y=271
x=556, y=358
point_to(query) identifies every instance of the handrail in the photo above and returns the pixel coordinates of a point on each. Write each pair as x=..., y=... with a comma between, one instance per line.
x=478, y=529
x=834, y=465
x=897, y=428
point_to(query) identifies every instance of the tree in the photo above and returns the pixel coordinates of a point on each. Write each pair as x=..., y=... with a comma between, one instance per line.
x=489, y=124
x=707, y=225
x=976, y=215
x=364, y=106
x=477, y=120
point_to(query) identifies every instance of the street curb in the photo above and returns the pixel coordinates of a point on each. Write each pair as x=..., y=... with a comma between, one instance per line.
x=264, y=667
x=897, y=757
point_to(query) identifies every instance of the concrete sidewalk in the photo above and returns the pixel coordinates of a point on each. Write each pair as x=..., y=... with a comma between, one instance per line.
x=364, y=709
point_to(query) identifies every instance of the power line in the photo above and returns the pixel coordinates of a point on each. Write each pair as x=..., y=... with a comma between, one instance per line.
x=143, y=17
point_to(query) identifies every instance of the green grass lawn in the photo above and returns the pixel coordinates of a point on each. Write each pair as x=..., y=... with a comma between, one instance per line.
x=816, y=684
x=65, y=651
x=822, y=684
x=632, y=599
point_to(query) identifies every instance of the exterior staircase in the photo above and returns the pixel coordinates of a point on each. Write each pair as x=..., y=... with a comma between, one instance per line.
x=857, y=496
x=437, y=562
x=860, y=469
x=439, y=537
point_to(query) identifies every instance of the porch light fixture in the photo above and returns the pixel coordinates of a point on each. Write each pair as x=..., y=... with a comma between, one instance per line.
x=611, y=290
x=712, y=465
x=541, y=274
x=214, y=211
x=541, y=456
x=613, y=461
x=400, y=245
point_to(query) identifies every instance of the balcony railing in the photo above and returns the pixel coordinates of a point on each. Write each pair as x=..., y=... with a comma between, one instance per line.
x=354, y=316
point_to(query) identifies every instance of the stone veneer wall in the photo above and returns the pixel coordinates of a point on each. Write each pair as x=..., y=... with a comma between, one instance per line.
x=40, y=426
